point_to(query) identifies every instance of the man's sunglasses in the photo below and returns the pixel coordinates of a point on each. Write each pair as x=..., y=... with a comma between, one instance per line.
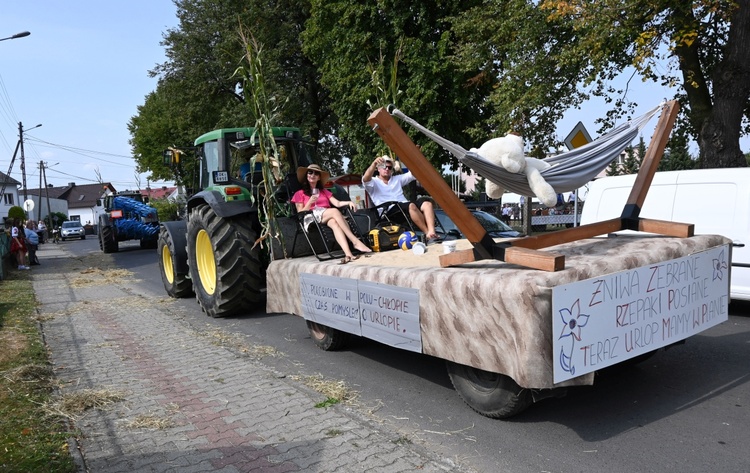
x=387, y=167
x=313, y=173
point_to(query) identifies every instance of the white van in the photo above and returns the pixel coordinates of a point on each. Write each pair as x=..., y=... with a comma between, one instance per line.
x=716, y=201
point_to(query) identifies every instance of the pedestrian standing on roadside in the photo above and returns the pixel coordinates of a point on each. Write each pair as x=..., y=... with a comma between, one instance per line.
x=32, y=242
x=18, y=244
x=42, y=231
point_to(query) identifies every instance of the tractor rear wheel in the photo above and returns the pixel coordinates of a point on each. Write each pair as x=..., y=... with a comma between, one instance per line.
x=225, y=267
x=177, y=285
x=107, y=240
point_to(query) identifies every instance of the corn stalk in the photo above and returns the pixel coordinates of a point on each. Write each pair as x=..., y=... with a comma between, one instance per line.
x=263, y=110
x=385, y=88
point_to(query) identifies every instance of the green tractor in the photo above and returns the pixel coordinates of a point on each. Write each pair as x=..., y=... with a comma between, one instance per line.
x=215, y=253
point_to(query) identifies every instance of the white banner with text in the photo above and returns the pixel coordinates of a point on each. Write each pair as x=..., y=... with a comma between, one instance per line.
x=605, y=320
x=385, y=313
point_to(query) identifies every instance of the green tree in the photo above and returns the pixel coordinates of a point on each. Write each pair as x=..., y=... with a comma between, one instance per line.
x=676, y=155
x=632, y=162
x=614, y=168
x=543, y=58
x=479, y=188
x=197, y=90
x=346, y=41
x=57, y=219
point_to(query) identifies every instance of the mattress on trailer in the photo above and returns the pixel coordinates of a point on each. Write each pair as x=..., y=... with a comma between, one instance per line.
x=487, y=314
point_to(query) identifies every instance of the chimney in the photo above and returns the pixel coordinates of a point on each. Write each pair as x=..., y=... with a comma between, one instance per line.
x=71, y=184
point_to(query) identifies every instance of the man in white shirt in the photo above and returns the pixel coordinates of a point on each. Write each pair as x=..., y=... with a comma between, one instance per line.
x=383, y=186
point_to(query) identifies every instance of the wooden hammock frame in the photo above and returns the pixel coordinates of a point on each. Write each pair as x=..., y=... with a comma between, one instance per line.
x=527, y=251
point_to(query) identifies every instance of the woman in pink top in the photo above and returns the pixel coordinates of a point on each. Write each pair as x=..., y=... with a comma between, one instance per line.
x=314, y=197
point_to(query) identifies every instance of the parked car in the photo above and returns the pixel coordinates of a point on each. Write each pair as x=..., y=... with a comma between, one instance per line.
x=495, y=227
x=72, y=229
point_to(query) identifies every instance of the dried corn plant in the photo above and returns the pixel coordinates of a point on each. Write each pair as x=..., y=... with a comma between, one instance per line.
x=264, y=109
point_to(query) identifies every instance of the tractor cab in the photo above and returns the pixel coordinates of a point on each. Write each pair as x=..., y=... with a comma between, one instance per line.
x=231, y=164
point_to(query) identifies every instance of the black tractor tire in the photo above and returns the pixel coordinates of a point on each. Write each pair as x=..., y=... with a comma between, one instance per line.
x=177, y=285
x=149, y=243
x=107, y=240
x=493, y=395
x=327, y=338
x=225, y=268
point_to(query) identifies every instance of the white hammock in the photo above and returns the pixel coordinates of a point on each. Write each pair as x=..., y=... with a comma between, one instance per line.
x=570, y=170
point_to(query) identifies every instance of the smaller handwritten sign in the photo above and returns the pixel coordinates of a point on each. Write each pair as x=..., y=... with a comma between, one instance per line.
x=602, y=321
x=390, y=315
x=331, y=301
x=385, y=313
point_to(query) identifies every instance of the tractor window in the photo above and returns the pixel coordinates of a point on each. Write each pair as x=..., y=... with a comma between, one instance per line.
x=242, y=155
x=210, y=162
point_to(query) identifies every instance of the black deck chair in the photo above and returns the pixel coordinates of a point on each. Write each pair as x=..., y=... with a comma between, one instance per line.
x=320, y=237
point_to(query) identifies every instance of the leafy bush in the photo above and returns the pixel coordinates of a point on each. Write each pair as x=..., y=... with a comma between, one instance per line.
x=167, y=209
x=16, y=212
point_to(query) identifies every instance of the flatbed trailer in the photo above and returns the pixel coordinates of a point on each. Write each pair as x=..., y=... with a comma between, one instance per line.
x=517, y=320
x=512, y=335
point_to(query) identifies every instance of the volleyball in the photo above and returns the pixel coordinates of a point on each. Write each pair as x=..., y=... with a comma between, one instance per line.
x=406, y=240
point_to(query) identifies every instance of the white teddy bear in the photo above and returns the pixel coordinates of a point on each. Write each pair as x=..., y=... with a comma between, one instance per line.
x=507, y=152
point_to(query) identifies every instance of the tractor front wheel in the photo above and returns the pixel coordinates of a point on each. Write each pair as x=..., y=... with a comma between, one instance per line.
x=107, y=240
x=177, y=285
x=225, y=267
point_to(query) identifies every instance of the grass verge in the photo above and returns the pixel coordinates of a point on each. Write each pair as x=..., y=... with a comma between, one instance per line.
x=30, y=438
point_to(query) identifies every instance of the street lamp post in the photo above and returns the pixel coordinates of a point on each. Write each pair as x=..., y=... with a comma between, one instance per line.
x=17, y=35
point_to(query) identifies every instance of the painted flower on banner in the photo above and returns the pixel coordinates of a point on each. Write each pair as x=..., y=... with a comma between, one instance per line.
x=574, y=321
x=720, y=264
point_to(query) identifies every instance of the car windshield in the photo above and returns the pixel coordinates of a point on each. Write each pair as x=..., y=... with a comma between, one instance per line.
x=71, y=224
x=491, y=223
x=445, y=222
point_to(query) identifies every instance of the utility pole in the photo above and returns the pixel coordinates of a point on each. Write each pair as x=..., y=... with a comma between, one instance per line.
x=23, y=161
x=46, y=191
x=39, y=203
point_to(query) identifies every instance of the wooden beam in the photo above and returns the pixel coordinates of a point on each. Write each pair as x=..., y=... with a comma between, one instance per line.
x=569, y=234
x=543, y=260
x=664, y=227
x=384, y=125
x=650, y=161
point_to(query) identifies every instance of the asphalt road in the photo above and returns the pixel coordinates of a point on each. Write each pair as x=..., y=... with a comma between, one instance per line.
x=686, y=409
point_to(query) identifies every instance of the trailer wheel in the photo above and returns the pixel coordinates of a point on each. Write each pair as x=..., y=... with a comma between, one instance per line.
x=177, y=285
x=327, y=338
x=493, y=395
x=225, y=267
x=107, y=240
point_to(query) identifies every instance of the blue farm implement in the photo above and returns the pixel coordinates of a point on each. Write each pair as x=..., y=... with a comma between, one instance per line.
x=127, y=217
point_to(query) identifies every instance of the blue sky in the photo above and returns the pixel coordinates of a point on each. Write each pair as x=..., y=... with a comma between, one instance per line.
x=83, y=72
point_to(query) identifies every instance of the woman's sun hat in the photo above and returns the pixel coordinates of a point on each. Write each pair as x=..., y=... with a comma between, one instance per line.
x=302, y=172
